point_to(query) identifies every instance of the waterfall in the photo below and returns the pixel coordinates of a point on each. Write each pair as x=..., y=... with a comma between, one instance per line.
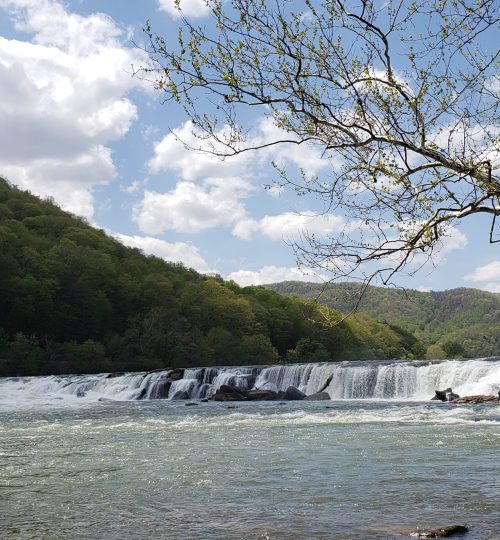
x=410, y=380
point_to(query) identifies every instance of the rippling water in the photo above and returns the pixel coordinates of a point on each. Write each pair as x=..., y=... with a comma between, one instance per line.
x=318, y=470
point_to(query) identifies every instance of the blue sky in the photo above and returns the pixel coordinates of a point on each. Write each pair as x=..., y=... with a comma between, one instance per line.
x=78, y=127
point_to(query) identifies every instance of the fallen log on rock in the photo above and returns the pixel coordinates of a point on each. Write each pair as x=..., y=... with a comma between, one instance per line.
x=477, y=399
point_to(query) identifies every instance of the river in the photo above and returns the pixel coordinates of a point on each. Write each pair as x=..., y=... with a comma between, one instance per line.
x=350, y=468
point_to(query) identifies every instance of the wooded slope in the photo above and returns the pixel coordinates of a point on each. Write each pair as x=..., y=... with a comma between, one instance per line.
x=457, y=322
x=73, y=299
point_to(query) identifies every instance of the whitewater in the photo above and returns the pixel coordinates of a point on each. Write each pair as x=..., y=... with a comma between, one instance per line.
x=400, y=380
x=82, y=457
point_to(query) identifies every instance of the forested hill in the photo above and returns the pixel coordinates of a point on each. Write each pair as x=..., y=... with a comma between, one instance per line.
x=449, y=323
x=73, y=300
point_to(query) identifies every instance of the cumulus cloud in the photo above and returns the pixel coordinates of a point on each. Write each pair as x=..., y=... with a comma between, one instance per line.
x=188, y=254
x=289, y=225
x=488, y=275
x=191, y=208
x=190, y=8
x=62, y=100
x=488, y=272
x=272, y=274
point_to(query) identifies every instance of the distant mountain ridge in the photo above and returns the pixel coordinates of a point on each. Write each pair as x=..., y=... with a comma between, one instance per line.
x=454, y=322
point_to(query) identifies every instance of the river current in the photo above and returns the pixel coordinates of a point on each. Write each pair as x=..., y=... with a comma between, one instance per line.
x=75, y=467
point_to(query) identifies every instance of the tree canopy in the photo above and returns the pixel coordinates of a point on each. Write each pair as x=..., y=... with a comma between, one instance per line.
x=74, y=300
x=401, y=97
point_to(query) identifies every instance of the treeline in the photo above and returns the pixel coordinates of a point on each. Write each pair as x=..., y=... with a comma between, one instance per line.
x=458, y=322
x=73, y=300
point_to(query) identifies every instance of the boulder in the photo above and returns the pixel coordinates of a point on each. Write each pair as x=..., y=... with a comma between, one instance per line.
x=262, y=395
x=318, y=396
x=234, y=393
x=229, y=393
x=293, y=394
x=176, y=374
x=441, y=532
x=190, y=404
x=445, y=395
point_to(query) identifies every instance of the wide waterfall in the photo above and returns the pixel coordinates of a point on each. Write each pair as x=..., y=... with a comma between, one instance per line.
x=400, y=380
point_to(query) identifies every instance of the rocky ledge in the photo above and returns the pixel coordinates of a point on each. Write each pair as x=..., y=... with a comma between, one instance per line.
x=234, y=393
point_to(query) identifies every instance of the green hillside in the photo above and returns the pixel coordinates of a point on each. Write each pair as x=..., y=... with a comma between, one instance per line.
x=457, y=322
x=73, y=299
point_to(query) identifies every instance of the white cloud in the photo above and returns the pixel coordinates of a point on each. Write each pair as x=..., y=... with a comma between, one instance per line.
x=198, y=202
x=489, y=272
x=190, y=208
x=190, y=8
x=272, y=274
x=67, y=180
x=62, y=99
x=175, y=152
x=289, y=225
x=188, y=254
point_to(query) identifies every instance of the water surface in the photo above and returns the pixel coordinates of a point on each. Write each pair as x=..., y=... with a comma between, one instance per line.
x=351, y=469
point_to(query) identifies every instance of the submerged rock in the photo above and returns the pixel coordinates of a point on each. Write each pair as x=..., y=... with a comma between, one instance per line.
x=441, y=532
x=318, y=396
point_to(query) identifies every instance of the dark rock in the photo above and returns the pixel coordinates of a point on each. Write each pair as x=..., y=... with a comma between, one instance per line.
x=441, y=532
x=141, y=394
x=190, y=404
x=445, y=395
x=229, y=393
x=281, y=394
x=176, y=374
x=233, y=393
x=440, y=395
x=180, y=394
x=204, y=400
x=262, y=395
x=113, y=375
x=318, y=396
x=325, y=386
x=293, y=394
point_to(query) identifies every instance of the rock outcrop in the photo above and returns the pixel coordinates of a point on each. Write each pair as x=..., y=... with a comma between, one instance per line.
x=234, y=393
x=441, y=532
x=445, y=395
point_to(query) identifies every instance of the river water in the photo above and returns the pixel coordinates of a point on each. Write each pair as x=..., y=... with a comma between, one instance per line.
x=79, y=468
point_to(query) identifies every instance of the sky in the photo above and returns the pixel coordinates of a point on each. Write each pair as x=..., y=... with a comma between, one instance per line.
x=76, y=125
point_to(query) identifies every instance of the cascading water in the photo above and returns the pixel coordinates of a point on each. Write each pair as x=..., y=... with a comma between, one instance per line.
x=402, y=380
